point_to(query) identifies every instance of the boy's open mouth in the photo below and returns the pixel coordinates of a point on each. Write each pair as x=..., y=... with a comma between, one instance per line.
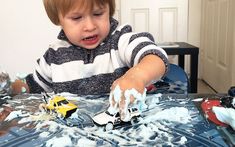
x=90, y=38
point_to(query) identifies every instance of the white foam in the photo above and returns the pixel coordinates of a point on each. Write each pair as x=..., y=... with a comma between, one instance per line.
x=84, y=142
x=174, y=114
x=1, y=110
x=183, y=140
x=116, y=96
x=15, y=114
x=197, y=100
x=44, y=134
x=34, y=98
x=225, y=115
x=62, y=141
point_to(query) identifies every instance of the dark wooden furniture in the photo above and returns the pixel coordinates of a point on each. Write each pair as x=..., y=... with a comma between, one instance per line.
x=181, y=50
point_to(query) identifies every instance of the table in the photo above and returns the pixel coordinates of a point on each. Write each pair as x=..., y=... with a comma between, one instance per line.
x=182, y=50
x=189, y=128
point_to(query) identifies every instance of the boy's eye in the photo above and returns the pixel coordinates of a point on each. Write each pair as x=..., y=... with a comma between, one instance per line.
x=76, y=18
x=98, y=14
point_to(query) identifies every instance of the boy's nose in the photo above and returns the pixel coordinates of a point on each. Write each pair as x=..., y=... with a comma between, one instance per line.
x=89, y=25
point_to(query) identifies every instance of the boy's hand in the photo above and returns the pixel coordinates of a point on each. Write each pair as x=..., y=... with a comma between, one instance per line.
x=18, y=87
x=125, y=91
x=130, y=88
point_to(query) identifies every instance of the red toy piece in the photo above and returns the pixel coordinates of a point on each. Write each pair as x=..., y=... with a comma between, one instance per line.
x=207, y=109
x=151, y=87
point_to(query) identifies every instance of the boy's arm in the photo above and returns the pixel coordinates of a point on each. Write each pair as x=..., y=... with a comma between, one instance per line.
x=151, y=68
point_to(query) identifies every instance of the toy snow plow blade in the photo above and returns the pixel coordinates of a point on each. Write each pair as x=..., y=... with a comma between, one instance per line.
x=70, y=112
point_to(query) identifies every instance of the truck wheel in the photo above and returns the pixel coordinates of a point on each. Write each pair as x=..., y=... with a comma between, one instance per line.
x=109, y=126
x=60, y=115
x=134, y=120
x=69, y=124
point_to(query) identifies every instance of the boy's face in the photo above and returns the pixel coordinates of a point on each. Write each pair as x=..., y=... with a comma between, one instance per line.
x=86, y=29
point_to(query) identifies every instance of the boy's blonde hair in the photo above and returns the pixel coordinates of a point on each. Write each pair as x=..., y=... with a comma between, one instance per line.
x=56, y=7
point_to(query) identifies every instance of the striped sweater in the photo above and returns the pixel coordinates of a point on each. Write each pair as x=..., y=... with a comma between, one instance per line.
x=68, y=68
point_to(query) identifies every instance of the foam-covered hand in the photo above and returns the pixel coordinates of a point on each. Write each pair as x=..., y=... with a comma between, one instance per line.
x=130, y=88
x=126, y=90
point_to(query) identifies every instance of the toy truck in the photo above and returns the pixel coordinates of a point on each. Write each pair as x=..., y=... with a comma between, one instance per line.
x=59, y=105
x=111, y=120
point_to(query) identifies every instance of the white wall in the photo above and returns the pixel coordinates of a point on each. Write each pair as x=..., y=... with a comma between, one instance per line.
x=25, y=33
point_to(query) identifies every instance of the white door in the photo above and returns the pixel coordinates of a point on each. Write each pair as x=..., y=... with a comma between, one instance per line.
x=166, y=20
x=217, y=43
